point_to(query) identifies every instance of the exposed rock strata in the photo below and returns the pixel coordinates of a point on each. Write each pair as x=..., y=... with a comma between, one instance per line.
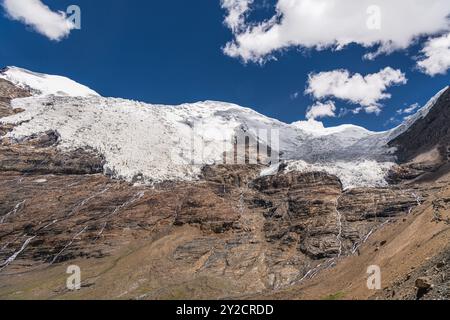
x=231, y=234
x=280, y=227
x=39, y=155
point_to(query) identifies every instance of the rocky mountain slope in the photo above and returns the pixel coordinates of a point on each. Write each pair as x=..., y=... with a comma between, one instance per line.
x=428, y=140
x=81, y=184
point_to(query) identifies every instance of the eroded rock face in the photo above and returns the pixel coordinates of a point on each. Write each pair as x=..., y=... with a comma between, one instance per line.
x=410, y=171
x=312, y=212
x=39, y=155
x=230, y=234
x=303, y=212
x=238, y=176
x=264, y=235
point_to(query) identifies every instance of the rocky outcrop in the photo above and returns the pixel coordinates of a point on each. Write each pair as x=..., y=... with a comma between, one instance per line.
x=237, y=176
x=39, y=154
x=313, y=210
x=8, y=91
x=410, y=171
x=302, y=211
x=203, y=208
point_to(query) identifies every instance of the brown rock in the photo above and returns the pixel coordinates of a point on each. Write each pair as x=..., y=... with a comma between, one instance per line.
x=423, y=283
x=8, y=91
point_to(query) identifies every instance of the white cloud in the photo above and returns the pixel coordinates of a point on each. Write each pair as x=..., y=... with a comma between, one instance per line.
x=236, y=10
x=409, y=110
x=53, y=25
x=321, y=24
x=321, y=110
x=435, y=56
x=294, y=95
x=365, y=91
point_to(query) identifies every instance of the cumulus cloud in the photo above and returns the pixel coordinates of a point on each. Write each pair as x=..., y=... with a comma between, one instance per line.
x=435, y=56
x=319, y=24
x=321, y=110
x=53, y=25
x=365, y=91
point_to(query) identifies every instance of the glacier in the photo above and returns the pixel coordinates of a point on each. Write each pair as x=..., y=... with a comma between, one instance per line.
x=149, y=143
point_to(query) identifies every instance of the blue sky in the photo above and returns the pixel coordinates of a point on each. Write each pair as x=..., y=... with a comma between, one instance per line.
x=170, y=52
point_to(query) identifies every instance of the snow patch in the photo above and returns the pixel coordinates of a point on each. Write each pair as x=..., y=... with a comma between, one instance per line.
x=353, y=174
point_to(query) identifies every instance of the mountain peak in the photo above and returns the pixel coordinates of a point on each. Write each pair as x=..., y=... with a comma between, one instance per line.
x=426, y=131
x=44, y=84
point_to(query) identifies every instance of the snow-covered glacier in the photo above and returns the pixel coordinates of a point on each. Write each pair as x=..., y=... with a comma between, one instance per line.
x=44, y=84
x=154, y=143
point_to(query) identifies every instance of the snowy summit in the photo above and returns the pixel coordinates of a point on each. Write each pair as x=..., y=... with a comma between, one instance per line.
x=44, y=84
x=158, y=143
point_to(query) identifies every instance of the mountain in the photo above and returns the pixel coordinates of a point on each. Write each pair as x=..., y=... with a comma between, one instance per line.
x=157, y=201
x=43, y=84
x=154, y=143
x=427, y=131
